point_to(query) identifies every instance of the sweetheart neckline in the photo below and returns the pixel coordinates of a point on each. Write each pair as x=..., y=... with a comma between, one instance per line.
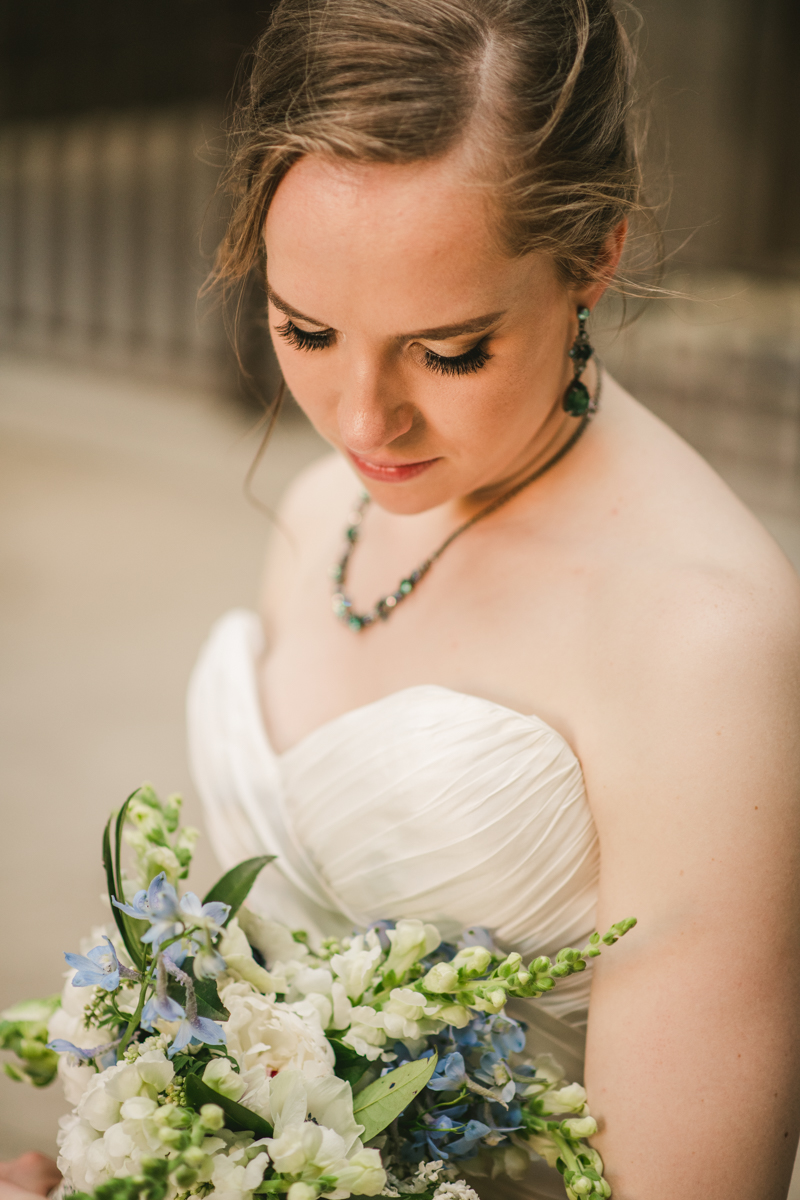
x=350, y=713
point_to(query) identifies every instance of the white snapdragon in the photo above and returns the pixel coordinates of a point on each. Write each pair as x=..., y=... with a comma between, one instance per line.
x=233, y=1177
x=410, y=941
x=355, y=966
x=366, y=1034
x=566, y=1099
x=264, y=1032
x=249, y=1088
x=239, y=962
x=272, y=940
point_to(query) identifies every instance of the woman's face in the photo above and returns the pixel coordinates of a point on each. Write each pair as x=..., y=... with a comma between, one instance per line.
x=431, y=360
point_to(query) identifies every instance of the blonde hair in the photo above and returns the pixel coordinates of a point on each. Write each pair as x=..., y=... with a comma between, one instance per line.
x=542, y=86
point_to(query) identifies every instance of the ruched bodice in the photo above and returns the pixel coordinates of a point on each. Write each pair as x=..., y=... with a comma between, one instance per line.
x=427, y=803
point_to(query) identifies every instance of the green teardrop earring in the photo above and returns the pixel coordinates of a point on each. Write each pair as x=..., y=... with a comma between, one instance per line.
x=577, y=400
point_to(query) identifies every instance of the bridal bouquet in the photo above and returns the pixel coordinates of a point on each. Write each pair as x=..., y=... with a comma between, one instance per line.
x=207, y=1050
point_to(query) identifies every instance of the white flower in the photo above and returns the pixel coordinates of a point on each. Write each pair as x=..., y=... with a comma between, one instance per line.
x=548, y=1068
x=233, y=1178
x=263, y=1032
x=443, y=977
x=404, y=1015
x=474, y=959
x=566, y=1099
x=356, y=966
x=411, y=940
x=220, y=1075
x=328, y=1100
x=364, y=1174
x=302, y=1191
x=271, y=939
x=366, y=1034
x=239, y=962
x=581, y=1127
x=455, y=1190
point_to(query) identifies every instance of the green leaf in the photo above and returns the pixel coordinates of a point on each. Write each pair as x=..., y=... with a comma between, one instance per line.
x=234, y=886
x=379, y=1104
x=208, y=1001
x=237, y=1117
x=349, y=1064
x=129, y=929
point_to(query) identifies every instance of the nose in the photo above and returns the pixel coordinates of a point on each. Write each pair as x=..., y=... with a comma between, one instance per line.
x=373, y=409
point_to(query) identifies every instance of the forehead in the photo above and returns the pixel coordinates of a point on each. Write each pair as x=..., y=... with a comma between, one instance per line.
x=405, y=241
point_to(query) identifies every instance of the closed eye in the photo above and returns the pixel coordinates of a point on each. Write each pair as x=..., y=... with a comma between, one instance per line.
x=458, y=364
x=305, y=339
x=468, y=363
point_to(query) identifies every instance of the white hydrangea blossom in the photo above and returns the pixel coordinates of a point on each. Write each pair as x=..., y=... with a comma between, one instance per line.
x=112, y=1126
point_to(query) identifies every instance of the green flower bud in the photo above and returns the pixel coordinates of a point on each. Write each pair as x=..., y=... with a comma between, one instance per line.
x=579, y=1127
x=185, y=1177
x=195, y=1157
x=540, y=965
x=454, y=1014
x=212, y=1117
x=509, y=966
x=176, y=1139
x=441, y=978
x=581, y=1186
x=545, y=984
x=474, y=960
x=497, y=997
x=302, y=1191
x=560, y=970
x=523, y=977
x=173, y=1116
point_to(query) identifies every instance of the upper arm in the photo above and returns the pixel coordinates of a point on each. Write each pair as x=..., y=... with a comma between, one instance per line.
x=694, y=777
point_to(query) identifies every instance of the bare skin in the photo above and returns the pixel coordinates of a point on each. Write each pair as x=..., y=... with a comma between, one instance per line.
x=627, y=598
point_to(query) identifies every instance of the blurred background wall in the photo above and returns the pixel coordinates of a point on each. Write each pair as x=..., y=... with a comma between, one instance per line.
x=126, y=428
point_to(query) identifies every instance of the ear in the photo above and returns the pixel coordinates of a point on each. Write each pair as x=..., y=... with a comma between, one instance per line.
x=606, y=266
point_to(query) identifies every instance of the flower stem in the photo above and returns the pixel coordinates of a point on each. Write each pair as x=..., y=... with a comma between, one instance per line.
x=133, y=1023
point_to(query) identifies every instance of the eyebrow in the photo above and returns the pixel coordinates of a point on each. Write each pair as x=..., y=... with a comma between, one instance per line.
x=439, y=333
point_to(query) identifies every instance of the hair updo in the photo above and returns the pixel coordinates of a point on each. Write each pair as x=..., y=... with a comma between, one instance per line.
x=541, y=89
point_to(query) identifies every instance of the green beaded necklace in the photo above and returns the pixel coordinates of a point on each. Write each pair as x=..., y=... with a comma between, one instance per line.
x=343, y=605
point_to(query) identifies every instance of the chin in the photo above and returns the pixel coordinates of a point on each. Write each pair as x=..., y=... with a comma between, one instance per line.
x=407, y=499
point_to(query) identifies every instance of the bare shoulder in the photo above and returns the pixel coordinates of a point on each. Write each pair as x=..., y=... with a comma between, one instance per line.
x=309, y=522
x=700, y=659
x=318, y=496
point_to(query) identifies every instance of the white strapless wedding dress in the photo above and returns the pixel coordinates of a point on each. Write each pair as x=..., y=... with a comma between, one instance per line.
x=427, y=803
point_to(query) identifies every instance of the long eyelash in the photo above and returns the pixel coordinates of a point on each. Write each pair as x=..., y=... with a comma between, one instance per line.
x=461, y=364
x=303, y=339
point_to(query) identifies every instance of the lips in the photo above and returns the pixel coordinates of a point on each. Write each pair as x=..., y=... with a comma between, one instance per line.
x=390, y=472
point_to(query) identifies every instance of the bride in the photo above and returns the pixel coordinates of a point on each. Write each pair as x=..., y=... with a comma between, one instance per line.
x=552, y=679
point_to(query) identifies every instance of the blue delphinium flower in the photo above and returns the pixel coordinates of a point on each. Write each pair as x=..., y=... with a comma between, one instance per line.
x=99, y=968
x=210, y=917
x=450, y=1074
x=193, y=1031
x=106, y=1052
x=160, y=1008
x=508, y=1037
x=467, y=1144
x=158, y=905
